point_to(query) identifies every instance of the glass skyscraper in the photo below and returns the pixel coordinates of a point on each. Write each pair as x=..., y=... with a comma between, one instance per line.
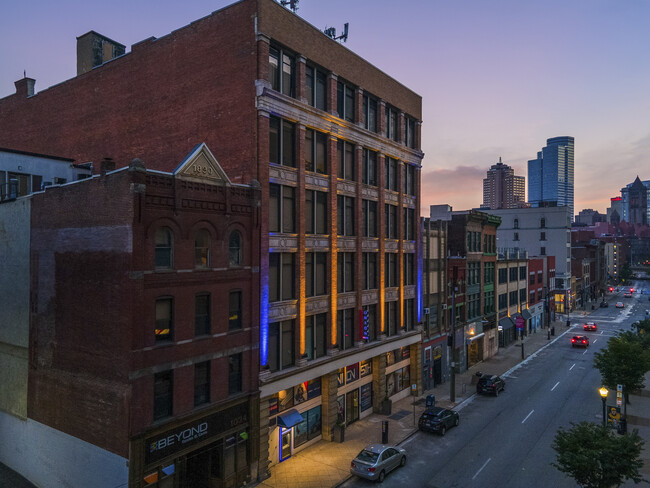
x=550, y=176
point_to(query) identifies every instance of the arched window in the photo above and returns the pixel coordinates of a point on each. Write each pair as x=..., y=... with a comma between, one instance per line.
x=202, y=249
x=542, y=223
x=235, y=249
x=516, y=224
x=164, y=248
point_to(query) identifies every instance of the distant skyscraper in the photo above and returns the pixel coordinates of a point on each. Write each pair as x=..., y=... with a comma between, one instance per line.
x=502, y=189
x=550, y=176
x=636, y=202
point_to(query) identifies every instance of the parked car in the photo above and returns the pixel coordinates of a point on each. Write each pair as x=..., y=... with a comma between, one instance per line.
x=436, y=419
x=620, y=305
x=604, y=304
x=590, y=326
x=374, y=462
x=489, y=383
x=579, y=341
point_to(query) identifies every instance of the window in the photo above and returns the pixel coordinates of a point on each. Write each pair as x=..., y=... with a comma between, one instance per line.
x=514, y=273
x=539, y=277
x=409, y=314
x=522, y=296
x=489, y=302
x=391, y=276
x=503, y=301
x=391, y=221
x=315, y=273
x=282, y=208
x=164, y=319
x=345, y=328
x=542, y=251
x=235, y=373
x=309, y=428
x=315, y=338
x=522, y=272
x=316, y=87
x=202, y=314
x=281, y=345
x=513, y=298
x=515, y=224
x=202, y=249
x=390, y=318
x=234, y=249
x=346, y=160
x=282, y=71
x=369, y=270
x=531, y=279
x=345, y=272
x=474, y=273
x=391, y=167
x=369, y=115
x=488, y=273
x=516, y=236
x=473, y=305
x=345, y=101
x=345, y=215
x=282, y=142
x=281, y=276
x=503, y=275
x=316, y=212
x=409, y=224
x=531, y=297
x=164, y=243
x=369, y=167
x=201, y=383
x=410, y=136
x=542, y=223
x=163, y=394
x=542, y=236
x=369, y=216
x=409, y=269
x=409, y=179
x=391, y=124
x=316, y=151
x=235, y=310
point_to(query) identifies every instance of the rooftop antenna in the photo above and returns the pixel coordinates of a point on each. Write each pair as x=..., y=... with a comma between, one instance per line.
x=293, y=4
x=331, y=32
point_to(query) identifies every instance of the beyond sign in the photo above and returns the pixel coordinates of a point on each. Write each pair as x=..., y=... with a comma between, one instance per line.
x=182, y=437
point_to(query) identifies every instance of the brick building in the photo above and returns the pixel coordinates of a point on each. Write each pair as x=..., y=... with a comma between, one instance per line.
x=335, y=146
x=130, y=362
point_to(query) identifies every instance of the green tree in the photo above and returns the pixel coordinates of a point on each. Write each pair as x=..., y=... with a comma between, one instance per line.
x=626, y=273
x=595, y=457
x=623, y=362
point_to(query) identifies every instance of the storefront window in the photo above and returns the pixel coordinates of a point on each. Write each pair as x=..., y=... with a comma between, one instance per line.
x=229, y=457
x=398, y=380
x=366, y=397
x=309, y=428
x=285, y=399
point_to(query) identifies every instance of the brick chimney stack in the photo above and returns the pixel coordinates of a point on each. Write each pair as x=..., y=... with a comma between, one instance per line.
x=25, y=87
x=93, y=50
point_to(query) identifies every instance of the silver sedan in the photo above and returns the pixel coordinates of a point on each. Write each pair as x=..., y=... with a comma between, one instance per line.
x=374, y=462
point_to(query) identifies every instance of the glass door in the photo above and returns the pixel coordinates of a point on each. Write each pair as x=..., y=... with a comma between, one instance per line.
x=352, y=406
x=285, y=443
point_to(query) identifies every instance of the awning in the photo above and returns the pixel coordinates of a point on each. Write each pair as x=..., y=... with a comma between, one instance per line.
x=526, y=314
x=506, y=323
x=289, y=419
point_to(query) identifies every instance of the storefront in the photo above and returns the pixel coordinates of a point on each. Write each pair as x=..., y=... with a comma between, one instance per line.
x=354, y=400
x=398, y=373
x=474, y=343
x=209, y=452
x=506, y=331
x=432, y=373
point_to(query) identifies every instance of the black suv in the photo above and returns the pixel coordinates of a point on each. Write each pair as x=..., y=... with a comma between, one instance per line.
x=489, y=383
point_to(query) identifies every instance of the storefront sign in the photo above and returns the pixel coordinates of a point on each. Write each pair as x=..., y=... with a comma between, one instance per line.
x=313, y=389
x=174, y=440
x=340, y=377
x=519, y=322
x=352, y=373
x=365, y=367
x=300, y=393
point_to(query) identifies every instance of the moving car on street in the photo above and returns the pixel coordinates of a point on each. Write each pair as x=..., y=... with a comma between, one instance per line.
x=491, y=384
x=590, y=326
x=579, y=341
x=620, y=305
x=436, y=419
x=604, y=304
x=374, y=462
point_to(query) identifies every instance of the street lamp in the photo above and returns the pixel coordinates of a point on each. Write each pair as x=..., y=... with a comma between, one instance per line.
x=603, y=394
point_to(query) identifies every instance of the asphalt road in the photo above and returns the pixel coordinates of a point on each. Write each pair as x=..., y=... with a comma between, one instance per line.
x=505, y=441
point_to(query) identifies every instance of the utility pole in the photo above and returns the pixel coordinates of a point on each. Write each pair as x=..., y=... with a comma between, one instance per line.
x=452, y=376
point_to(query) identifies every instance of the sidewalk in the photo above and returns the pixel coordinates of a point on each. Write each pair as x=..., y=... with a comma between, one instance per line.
x=327, y=464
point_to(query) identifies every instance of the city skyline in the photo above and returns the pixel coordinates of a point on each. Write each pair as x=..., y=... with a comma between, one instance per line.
x=481, y=71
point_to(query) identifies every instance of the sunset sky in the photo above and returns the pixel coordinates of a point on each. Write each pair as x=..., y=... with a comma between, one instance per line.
x=497, y=77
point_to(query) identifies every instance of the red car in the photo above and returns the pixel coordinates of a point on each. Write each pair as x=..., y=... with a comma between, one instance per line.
x=590, y=326
x=579, y=341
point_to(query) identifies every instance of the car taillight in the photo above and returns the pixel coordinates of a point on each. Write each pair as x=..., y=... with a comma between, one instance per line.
x=584, y=342
x=573, y=340
x=352, y=464
x=371, y=470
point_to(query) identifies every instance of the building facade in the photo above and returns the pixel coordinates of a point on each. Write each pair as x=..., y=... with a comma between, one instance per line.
x=335, y=146
x=635, y=202
x=512, y=296
x=502, y=189
x=550, y=175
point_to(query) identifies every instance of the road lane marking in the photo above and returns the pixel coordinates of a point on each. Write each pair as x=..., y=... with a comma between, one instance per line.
x=585, y=352
x=486, y=462
x=555, y=386
x=572, y=366
x=531, y=412
x=595, y=341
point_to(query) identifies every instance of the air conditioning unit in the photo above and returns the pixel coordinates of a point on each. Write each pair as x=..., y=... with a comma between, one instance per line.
x=426, y=311
x=444, y=306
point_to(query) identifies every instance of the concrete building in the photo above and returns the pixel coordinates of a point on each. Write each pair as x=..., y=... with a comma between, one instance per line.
x=502, y=189
x=133, y=375
x=512, y=294
x=635, y=202
x=550, y=175
x=589, y=216
x=335, y=145
x=542, y=231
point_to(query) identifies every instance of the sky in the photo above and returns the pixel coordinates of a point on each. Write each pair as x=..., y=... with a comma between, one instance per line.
x=497, y=78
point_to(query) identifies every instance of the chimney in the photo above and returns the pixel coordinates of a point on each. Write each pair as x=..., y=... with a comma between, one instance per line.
x=106, y=165
x=93, y=50
x=25, y=87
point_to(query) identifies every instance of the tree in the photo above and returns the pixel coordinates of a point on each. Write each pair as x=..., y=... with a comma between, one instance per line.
x=595, y=457
x=625, y=273
x=623, y=362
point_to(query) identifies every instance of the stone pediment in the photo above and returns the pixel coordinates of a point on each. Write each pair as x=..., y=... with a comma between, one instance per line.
x=200, y=165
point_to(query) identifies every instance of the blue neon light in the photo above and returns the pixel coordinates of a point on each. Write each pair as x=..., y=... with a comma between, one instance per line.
x=264, y=320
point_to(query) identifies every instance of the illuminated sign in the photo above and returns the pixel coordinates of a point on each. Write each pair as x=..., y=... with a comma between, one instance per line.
x=364, y=323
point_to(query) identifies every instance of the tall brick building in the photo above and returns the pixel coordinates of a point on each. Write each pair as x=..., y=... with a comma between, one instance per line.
x=335, y=146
